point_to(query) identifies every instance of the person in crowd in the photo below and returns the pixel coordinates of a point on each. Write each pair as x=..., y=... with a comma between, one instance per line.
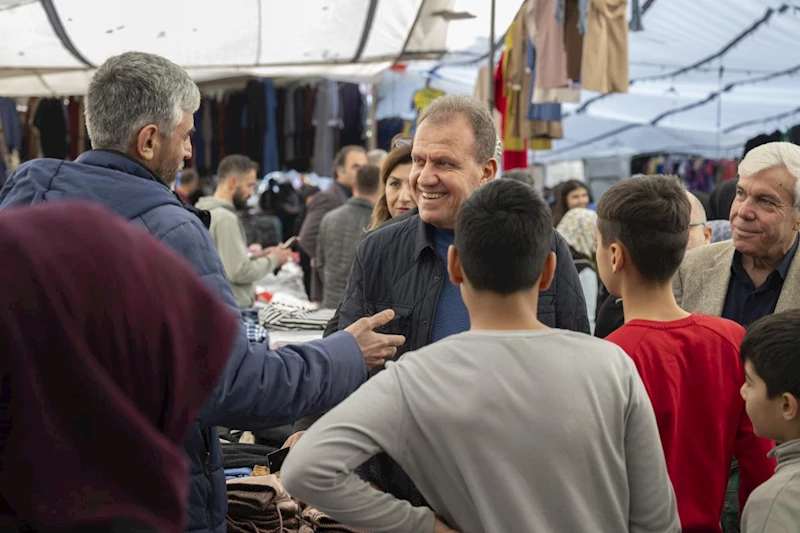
x=772, y=395
x=403, y=266
x=306, y=193
x=720, y=230
x=756, y=273
x=571, y=194
x=522, y=176
x=236, y=179
x=397, y=197
x=376, y=157
x=578, y=229
x=689, y=362
x=519, y=472
x=347, y=162
x=91, y=440
x=188, y=184
x=139, y=116
x=340, y=232
x=610, y=317
x=700, y=233
x=721, y=199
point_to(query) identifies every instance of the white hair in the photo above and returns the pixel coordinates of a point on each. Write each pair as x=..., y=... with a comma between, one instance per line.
x=132, y=90
x=772, y=155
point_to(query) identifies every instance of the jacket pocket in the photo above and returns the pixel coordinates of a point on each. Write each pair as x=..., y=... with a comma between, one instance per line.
x=399, y=325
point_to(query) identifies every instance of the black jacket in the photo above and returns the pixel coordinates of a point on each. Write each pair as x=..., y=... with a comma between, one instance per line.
x=404, y=274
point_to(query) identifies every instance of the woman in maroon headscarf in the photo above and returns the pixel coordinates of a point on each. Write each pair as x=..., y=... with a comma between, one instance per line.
x=109, y=344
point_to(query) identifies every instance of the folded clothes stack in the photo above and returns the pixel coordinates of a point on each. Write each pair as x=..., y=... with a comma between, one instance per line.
x=259, y=504
x=286, y=317
x=244, y=455
x=319, y=522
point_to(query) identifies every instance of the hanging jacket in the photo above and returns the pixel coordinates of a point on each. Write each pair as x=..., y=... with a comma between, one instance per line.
x=259, y=388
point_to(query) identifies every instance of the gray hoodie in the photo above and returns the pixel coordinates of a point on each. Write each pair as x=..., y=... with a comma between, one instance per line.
x=230, y=238
x=774, y=507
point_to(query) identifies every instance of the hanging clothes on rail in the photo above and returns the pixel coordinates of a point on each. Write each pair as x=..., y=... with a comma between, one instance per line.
x=327, y=124
x=552, y=83
x=605, y=47
x=256, y=123
x=271, y=159
x=51, y=121
x=353, y=114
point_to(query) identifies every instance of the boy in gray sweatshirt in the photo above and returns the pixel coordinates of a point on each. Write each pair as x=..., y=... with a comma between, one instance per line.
x=771, y=356
x=510, y=426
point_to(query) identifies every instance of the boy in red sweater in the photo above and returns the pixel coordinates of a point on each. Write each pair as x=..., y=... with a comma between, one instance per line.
x=689, y=363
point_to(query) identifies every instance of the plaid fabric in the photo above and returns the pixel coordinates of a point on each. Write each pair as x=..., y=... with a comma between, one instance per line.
x=255, y=333
x=285, y=317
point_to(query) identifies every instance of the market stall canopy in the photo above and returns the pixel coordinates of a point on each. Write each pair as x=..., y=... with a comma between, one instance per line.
x=50, y=47
x=706, y=75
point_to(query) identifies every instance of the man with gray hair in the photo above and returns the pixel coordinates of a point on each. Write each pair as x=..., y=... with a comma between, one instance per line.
x=403, y=266
x=139, y=115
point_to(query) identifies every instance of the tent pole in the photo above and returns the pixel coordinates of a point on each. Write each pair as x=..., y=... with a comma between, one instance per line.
x=491, y=59
x=372, y=134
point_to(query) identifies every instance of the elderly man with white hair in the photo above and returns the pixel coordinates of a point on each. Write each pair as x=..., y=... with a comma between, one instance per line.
x=755, y=274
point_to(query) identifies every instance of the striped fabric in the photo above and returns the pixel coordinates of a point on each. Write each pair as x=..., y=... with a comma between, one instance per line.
x=286, y=317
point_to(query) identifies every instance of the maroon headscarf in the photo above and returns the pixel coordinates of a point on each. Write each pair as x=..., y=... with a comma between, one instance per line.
x=109, y=344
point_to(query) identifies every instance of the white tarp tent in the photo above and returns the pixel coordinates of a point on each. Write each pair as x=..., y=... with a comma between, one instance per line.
x=706, y=74
x=49, y=47
x=679, y=101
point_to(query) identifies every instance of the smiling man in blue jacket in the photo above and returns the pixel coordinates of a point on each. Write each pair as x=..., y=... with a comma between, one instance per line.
x=139, y=116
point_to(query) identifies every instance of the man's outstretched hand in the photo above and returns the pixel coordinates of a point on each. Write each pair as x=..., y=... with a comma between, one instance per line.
x=376, y=347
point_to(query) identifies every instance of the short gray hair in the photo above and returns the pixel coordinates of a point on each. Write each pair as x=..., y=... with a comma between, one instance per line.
x=132, y=90
x=772, y=155
x=376, y=157
x=452, y=105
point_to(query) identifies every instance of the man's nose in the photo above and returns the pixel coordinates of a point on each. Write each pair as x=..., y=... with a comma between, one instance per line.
x=428, y=176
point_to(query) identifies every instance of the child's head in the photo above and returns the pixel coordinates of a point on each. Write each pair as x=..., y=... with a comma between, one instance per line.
x=772, y=375
x=642, y=230
x=503, y=237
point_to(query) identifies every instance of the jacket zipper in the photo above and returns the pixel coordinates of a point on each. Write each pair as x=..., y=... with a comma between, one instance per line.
x=207, y=474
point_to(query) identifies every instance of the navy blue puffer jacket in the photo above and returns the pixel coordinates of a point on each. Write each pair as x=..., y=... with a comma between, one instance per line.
x=259, y=388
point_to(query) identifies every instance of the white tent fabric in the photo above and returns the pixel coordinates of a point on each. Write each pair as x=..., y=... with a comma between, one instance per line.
x=671, y=107
x=51, y=46
x=746, y=82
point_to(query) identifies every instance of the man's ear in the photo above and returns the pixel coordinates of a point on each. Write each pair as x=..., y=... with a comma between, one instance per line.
x=618, y=255
x=147, y=142
x=708, y=233
x=548, y=272
x=789, y=407
x=454, y=269
x=489, y=171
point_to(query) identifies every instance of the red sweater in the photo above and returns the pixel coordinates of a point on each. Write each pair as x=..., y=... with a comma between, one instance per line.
x=692, y=372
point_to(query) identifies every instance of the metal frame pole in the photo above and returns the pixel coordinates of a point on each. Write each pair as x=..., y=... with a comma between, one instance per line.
x=491, y=59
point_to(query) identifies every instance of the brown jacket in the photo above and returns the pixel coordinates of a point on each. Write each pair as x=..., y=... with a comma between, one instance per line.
x=701, y=284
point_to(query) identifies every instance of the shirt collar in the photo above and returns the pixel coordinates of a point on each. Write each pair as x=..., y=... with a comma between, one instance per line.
x=423, y=237
x=347, y=191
